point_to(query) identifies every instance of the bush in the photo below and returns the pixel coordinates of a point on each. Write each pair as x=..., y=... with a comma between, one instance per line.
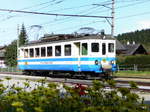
x=137, y=59
x=142, y=62
x=54, y=98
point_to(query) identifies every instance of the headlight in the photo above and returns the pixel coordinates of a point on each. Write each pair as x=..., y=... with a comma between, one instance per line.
x=112, y=62
x=96, y=62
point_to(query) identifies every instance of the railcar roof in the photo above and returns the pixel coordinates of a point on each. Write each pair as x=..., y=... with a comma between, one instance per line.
x=66, y=38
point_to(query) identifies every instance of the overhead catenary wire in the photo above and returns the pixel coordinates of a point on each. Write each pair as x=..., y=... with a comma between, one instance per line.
x=56, y=15
x=66, y=19
x=107, y=1
x=69, y=28
x=52, y=14
x=53, y=2
x=128, y=5
x=70, y=18
x=125, y=17
x=134, y=15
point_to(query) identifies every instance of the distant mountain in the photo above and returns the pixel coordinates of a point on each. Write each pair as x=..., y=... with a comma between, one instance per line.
x=141, y=37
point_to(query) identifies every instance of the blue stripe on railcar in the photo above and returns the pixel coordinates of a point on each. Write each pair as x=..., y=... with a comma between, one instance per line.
x=66, y=59
x=114, y=67
x=65, y=67
x=91, y=68
x=49, y=59
x=47, y=67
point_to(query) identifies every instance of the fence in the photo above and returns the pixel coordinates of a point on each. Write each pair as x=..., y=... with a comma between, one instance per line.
x=10, y=69
x=133, y=67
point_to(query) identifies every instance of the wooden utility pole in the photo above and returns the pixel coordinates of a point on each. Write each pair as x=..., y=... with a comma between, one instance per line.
x=17, y=40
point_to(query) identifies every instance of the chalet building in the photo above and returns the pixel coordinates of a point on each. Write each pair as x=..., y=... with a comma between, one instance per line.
x=120, y=49
x=2, y=52
x=130, y=49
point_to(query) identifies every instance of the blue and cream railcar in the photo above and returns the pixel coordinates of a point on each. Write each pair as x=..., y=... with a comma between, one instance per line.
x=89, y=54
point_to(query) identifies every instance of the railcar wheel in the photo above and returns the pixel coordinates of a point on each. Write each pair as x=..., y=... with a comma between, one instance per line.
x=26, y=72
x=88, y=76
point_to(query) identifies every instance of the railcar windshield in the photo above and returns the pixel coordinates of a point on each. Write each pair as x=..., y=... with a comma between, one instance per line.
x=111, y=47
x=95, y=47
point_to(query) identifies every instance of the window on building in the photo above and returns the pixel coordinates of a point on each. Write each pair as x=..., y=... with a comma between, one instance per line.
x=95, y=47
x=26, y=53
x=43, y=52
x=103, y=48
x=31, y=52
x=37, y=52
x=84, y=49
x=67, y=50
x=111, y=47
x=57, y=50
x=49, y=51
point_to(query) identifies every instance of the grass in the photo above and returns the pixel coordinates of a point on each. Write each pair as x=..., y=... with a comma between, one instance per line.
x=141, y=74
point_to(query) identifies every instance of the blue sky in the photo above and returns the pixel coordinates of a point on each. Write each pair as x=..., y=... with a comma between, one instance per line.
x=130, y=15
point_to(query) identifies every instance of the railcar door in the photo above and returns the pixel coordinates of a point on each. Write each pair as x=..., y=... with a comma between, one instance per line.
x=77, y=55
x=108, y=54
x=108, y=49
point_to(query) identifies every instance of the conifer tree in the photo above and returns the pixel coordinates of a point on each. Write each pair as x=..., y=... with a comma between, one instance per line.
x=23, y=38
x=11, y=49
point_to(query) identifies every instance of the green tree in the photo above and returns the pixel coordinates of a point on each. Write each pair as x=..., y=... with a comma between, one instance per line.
x=11, y=50
x=23, y=38
x=141, y=37
x=11, y=54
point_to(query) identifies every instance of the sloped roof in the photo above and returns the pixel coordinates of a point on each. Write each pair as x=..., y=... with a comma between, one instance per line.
x=132, y=48
x=2, y=47
x=119, y=46
x=67, y=37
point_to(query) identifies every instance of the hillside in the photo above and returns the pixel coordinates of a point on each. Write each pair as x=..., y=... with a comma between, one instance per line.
x=142, y=37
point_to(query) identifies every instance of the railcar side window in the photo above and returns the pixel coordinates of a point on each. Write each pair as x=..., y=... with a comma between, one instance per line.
x=20, y=51
x=31, y=52
x=49, y=51
x=111, y=47
x=37, y=52
x=26, y=53
x=43, y=51
x=103, y=48
x=84, y=49
x=67, y=50
x=95, y=47
x=57, y=50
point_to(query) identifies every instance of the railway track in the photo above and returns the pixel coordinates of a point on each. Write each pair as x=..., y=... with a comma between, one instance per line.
x=142, y=83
